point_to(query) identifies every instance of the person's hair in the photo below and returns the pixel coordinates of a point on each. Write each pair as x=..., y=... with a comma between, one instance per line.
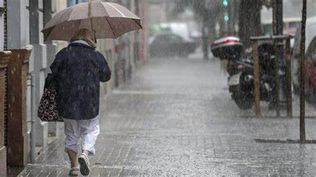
x=86, y=35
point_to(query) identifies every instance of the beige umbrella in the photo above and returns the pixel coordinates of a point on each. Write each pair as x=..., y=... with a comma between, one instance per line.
x=106, y=19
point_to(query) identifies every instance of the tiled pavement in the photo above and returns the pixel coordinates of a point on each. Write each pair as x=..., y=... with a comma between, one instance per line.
x=176, y=119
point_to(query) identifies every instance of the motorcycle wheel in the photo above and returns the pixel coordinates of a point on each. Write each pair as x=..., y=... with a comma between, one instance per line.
x=244, y=102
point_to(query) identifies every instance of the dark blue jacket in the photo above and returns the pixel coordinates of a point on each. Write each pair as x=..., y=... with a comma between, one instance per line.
x=78, y=70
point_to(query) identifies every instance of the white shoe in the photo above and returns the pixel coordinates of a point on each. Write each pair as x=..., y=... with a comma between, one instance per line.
x=84, y=164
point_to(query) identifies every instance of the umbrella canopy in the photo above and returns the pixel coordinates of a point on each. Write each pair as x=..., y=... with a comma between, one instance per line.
x=105, y=19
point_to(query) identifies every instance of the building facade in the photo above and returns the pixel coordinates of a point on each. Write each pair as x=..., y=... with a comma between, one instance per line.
x=21, y=23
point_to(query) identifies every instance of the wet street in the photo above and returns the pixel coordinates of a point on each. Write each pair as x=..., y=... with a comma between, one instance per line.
x=176, y=118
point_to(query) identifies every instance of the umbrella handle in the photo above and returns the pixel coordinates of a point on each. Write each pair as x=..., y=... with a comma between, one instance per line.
x=91, y=22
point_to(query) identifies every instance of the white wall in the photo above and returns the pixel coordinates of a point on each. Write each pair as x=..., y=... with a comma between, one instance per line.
x=18, y=24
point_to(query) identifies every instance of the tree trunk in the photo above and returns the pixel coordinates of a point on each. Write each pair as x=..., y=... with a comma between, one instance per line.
x=205, y=39
x=302, y=76
x=249, y=20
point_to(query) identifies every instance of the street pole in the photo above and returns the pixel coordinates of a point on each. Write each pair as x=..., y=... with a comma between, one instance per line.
x=277, y=30
x=256, y=71
x=33, y=115
x=288, y=77
x=302, y=76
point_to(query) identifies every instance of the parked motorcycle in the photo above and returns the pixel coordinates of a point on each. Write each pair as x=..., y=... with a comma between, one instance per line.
x=241, y=70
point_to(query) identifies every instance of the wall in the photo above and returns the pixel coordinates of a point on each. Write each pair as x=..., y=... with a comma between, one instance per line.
x=25, y=21
x=18, y=24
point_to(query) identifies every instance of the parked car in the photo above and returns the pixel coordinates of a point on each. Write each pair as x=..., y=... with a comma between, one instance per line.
x=310, y=60
x=170, y=44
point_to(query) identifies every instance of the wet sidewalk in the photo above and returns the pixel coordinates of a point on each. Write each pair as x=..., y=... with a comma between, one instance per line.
x=176, y=118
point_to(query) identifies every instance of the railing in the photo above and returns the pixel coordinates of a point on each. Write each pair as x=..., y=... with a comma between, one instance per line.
x=283, y=42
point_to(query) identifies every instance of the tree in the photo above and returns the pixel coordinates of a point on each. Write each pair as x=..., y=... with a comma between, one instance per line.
x=249, y=20
x=302, y=75
x=205, y=12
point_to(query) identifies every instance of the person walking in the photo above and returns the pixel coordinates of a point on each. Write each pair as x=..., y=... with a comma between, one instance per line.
x=79, y=69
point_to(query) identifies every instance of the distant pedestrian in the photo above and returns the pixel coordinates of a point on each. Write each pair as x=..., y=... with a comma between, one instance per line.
x=79, y=69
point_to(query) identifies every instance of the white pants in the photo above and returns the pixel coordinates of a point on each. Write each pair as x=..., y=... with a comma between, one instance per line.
x=85, y=130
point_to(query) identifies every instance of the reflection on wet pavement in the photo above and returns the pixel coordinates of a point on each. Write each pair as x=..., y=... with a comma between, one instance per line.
x=176, y=118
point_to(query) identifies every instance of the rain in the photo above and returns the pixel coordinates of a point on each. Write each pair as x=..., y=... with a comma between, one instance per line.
x=158, y=88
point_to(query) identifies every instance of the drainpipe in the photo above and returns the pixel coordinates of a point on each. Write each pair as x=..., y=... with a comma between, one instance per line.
x=33, y=129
